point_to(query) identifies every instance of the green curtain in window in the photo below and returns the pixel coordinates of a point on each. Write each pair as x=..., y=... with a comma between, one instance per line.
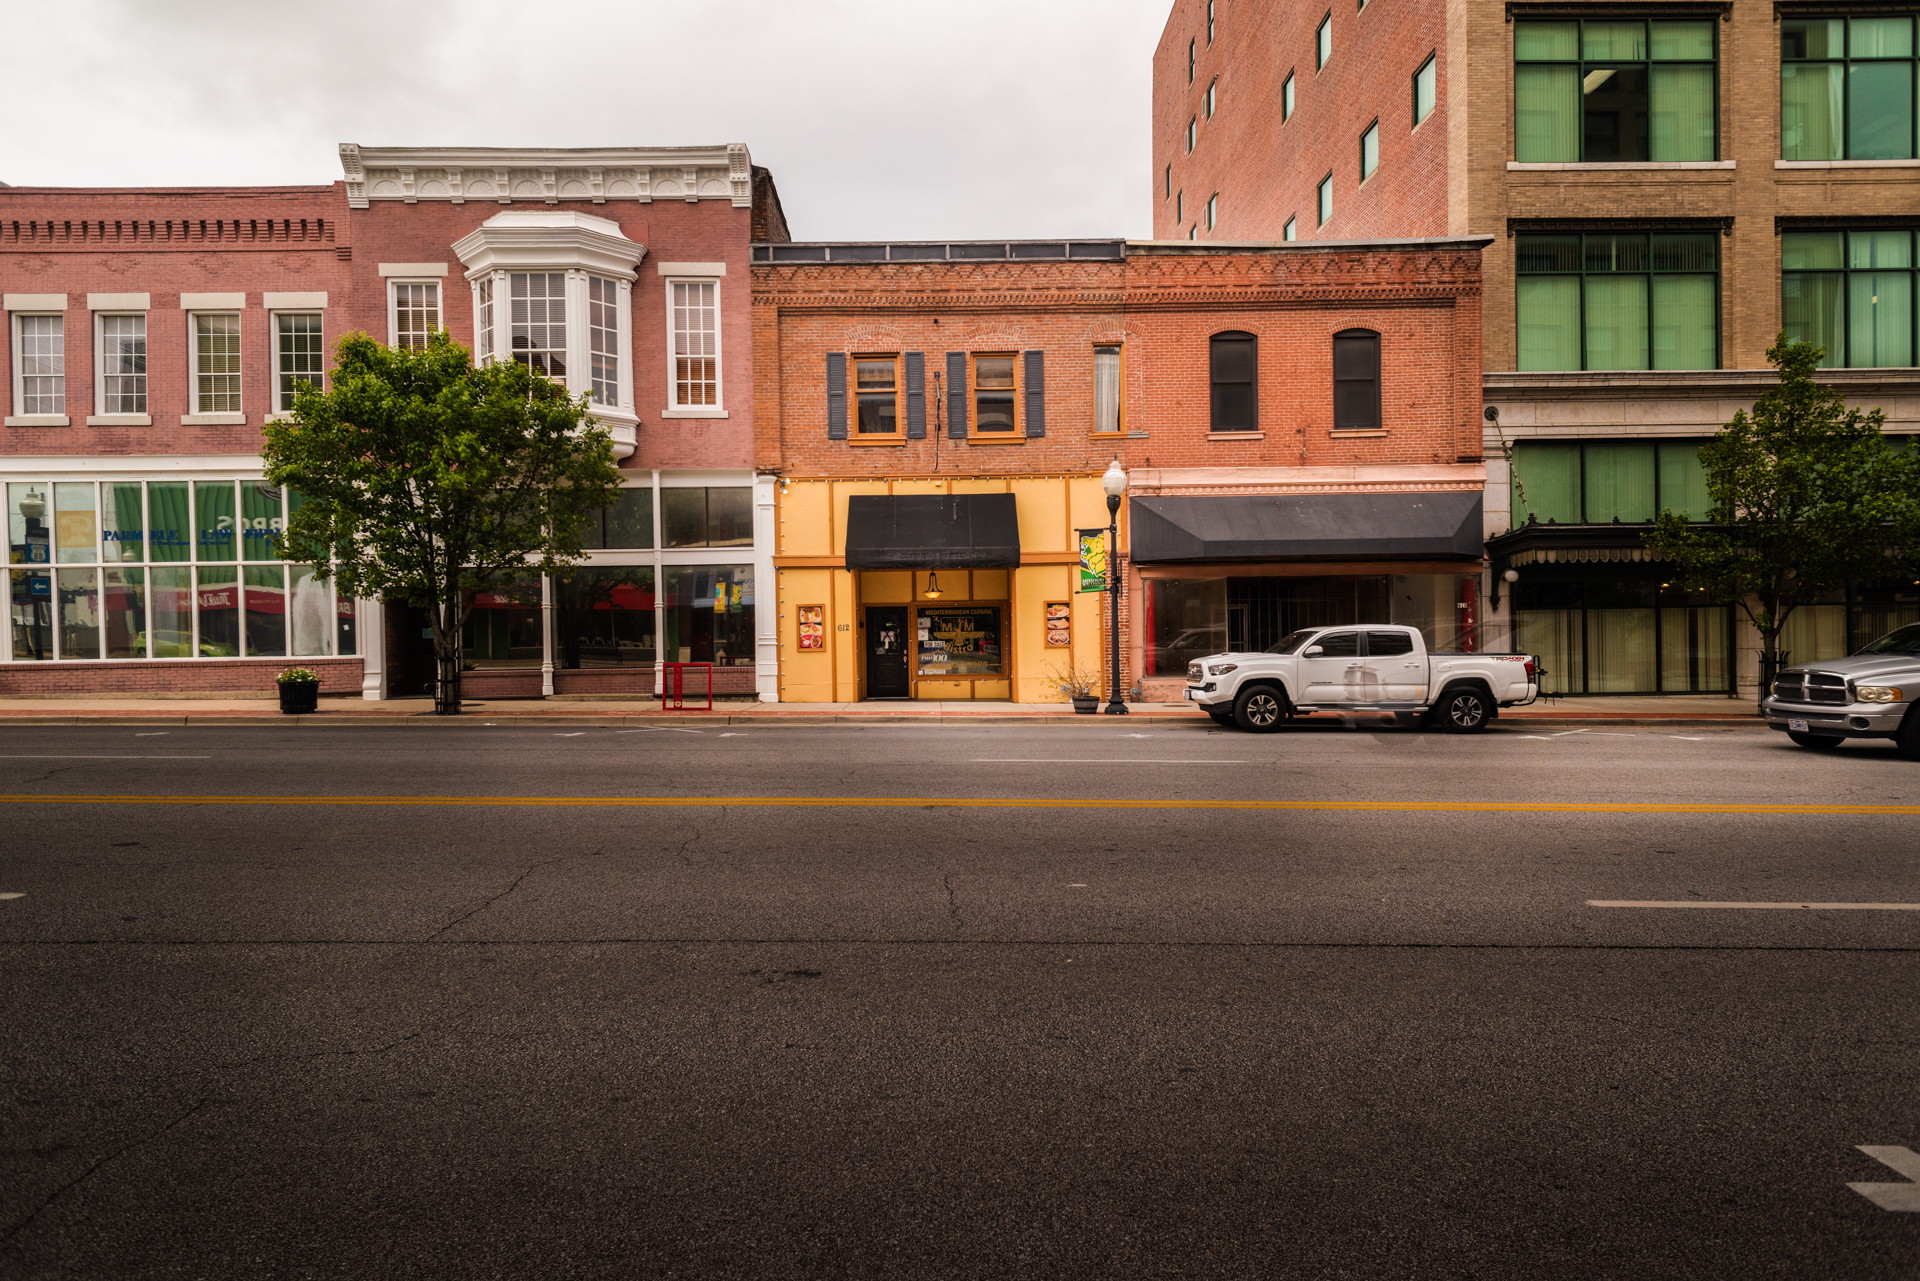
x=171, y=520
x=1620, y=651
x=1812, y=107
x=1684, y=332
x=1880, y=111
x=1619, y=482
x=1880, y=319
x=1812, y=310
x=1549, y=315
x=1682, y=111
x=1554, y=635
x=1682, y=42
x=1616, y=322
x=1613, y=41
x=1693, y=651
x=1550, y=476
x=1546, y=113
x=1880, y=37
x=1683, y=481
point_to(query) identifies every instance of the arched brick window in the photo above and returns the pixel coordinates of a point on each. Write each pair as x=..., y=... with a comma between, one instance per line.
x=1356, y=380
x=1234, y=374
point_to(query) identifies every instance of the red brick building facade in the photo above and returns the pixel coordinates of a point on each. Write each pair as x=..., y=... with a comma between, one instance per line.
x=151, y=333
x=988, y=386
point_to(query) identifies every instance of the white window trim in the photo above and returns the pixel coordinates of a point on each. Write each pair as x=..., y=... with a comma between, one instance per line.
x=100, y=365
x=19, y=390
x=621, y=414
x=194, y=417
x=274, y=413
x=719, y=409
x=393, y=301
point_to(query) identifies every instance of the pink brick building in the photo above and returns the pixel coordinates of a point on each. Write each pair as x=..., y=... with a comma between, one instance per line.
x=151, y=333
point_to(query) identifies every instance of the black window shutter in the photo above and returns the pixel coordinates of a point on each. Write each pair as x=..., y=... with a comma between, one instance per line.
x=916, y=395
x=956, y=395
x=836, y=395
x=1036, y=393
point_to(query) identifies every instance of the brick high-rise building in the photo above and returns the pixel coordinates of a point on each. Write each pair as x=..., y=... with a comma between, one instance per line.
x=1668, y=185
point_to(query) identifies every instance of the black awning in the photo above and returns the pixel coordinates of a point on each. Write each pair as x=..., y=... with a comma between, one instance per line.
x=1305, y=527
x=932, y=531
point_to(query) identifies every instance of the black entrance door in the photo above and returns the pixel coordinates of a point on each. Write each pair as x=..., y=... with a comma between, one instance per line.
x=887, y=652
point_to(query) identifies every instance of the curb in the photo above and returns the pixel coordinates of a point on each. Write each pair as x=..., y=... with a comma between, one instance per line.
x=695, y=720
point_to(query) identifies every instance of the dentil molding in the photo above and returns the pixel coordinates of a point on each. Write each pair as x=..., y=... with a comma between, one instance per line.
x=547, y=175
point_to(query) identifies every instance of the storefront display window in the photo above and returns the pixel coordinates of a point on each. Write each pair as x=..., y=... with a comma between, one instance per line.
x=503, y=627
x=707, y=517
x=625, y=525
x=603, y=617
x=709, y=613
x=1599, y=632
x=959, y=640
x=1188, y=618
x=133, y=592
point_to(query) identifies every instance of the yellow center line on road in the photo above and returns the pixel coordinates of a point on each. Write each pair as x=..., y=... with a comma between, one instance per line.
x=966, y=802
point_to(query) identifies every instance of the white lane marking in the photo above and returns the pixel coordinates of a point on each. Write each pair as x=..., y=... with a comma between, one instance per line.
x=576, y=734
x=105, y=758
x=159, y=733
x=733, y=736
x=659, y=729
x=1539, y=737
x=13, y=895
x=1563, y=733
x=1136, y=736
x=1077, y=885
x=1893, y=1196
x=1091, y=760
x=1789, y=907
x=1691, y=738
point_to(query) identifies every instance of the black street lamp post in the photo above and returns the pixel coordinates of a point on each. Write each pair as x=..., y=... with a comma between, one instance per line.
x=1115, y=483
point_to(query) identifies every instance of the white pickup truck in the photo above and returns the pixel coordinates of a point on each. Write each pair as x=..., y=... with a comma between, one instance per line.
x=1377, y=668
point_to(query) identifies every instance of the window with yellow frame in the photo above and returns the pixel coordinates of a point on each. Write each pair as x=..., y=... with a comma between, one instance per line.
x=876, y=390
x=996, y=395
x=1109, y=385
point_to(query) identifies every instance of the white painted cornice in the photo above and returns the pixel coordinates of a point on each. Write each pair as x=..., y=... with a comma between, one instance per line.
x=549, y=239
x=547, y=175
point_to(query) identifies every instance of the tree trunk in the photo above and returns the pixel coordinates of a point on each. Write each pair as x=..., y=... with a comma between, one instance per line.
x=446, y=652
x=1770, y=661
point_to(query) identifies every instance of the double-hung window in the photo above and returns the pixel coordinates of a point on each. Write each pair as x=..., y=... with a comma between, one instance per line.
x=1190, y=60
x=876, y=392
x=298, y=355
x=1599, y=90
x=538, y=326
x=1356, y=380
x=416, y=312
x=1286, y=99
x=1193, y=133
x=1233, y=375
x=123, y=364
x=1851, y=292
x=1323, y=200
x=1369, y=151
x=1618, y=300
x=603, y=338
x=40, y=357
x=1847, y=88
x=1323, y=41
x=995, y=406
x=216, y=363
x=1212, y=90
x=1179, y=206
x=694, y=313
x=1292, y=230
x=1213, y=210
x=1108, y=414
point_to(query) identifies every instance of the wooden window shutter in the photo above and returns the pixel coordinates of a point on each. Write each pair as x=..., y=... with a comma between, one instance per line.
x=916, y=395
x=836, y=395
x=1036, y=393
x=956, y=395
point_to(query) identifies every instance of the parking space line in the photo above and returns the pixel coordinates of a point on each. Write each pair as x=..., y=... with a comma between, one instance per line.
x=1764, y=907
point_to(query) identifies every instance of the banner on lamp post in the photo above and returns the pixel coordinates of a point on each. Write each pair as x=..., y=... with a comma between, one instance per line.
x=1093, y=559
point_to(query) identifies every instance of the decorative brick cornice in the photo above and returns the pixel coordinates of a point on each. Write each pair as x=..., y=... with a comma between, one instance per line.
x=547, y=175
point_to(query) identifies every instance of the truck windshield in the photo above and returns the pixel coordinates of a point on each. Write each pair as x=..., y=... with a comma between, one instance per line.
x=1904, y=641
x=1292, y=641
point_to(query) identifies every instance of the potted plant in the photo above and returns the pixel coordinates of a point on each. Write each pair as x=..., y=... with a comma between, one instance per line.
x=299, y=691
x=1078, y=684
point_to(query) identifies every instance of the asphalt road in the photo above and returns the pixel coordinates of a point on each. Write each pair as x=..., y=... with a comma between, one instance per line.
x=1048, y=1002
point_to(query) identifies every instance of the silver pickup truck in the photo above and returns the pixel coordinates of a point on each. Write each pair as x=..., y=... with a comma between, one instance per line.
x=1378, y=668
x=1874, y=694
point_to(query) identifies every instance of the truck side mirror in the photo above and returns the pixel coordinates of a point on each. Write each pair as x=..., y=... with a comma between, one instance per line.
x=1313, y=649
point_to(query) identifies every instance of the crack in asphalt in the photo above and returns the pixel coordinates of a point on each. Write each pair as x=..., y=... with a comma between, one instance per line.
x=89, y=1172
x=491, y=901
x=953, y=907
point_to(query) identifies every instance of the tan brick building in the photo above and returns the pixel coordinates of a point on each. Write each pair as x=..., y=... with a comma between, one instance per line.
x=1300, y=427
x=1668, y=186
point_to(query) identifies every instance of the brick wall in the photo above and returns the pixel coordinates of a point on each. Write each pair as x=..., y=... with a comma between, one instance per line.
x=244, y=677
x=1161, y=306
x=1266, y=169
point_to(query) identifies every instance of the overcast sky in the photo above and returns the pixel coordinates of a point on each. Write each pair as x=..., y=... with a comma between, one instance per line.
x=895, y=119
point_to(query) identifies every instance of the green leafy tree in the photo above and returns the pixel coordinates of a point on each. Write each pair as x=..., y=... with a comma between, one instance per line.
x=428, y=479
x=1808, y=498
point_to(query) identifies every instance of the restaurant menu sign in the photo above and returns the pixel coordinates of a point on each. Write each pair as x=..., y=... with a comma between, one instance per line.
x=960, y=640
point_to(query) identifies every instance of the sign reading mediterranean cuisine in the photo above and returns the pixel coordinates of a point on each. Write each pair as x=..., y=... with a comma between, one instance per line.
x=1093, y=559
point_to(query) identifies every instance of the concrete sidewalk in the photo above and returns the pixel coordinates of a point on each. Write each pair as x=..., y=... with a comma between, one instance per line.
x=348, y=710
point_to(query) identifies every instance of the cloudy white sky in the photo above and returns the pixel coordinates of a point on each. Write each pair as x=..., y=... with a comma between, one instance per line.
x=905, y=119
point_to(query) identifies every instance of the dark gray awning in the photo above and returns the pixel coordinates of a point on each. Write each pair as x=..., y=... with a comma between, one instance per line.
x=932, y=531
x=1305, y=526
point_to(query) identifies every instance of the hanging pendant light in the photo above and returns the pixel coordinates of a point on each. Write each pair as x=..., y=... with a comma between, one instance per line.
x=933, y=587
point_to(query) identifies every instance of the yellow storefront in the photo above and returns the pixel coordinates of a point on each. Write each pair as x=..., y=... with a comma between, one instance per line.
x=975, y=599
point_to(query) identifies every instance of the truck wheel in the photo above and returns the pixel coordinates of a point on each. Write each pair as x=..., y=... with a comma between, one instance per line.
x=1259, y=710
x=1818, y=742
x=1464, y=711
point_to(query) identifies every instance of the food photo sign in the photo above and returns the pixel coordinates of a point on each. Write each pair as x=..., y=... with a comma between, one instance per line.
x=813, y=627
